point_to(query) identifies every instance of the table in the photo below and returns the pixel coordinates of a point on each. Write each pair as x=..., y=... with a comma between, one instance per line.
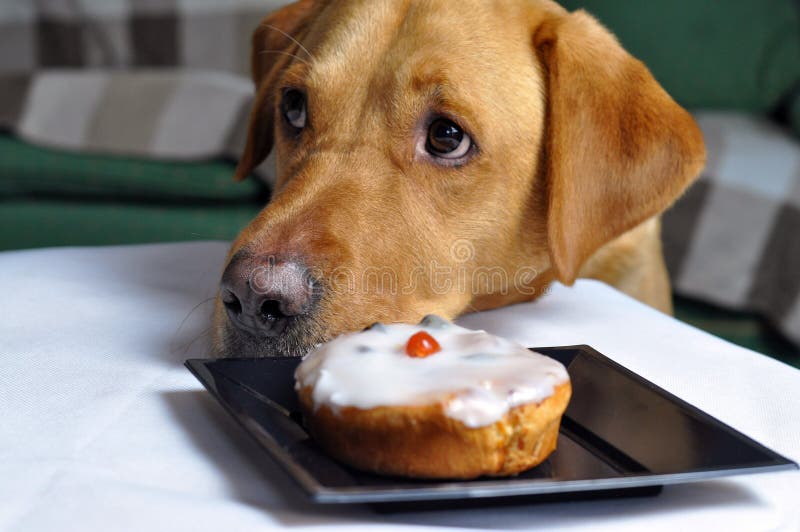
x=103, y=429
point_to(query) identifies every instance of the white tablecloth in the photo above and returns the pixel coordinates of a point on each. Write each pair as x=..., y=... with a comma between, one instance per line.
x=101, y=428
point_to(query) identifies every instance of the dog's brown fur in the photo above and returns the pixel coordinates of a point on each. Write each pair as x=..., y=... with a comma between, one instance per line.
x=579, y=151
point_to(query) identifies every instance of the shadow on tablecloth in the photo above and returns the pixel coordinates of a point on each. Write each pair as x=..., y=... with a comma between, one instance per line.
x=255, y=480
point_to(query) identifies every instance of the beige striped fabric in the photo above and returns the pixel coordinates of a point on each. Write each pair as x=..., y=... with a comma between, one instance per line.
x=149, y=78
x=734, y=239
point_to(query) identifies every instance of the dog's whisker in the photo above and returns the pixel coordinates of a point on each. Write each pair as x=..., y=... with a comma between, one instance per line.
x=203, y=333
x=283, y=52
x=472, y=308
x=193, y=309
x=189, y=314
x=270, y=26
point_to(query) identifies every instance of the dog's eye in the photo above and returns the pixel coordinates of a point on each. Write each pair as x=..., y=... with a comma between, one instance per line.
x=293, y=106
x=447, y=140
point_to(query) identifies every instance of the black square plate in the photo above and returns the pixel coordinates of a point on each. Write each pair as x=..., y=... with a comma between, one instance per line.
x=621, y=434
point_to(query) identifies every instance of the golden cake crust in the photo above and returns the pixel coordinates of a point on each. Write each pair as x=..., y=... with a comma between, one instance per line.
x=423, y=442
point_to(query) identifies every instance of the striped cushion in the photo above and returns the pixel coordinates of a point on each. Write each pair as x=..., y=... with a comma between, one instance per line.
x=732, y=240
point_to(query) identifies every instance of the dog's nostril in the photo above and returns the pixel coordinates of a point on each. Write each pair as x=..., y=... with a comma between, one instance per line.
x=232, y=302
x=270, y=311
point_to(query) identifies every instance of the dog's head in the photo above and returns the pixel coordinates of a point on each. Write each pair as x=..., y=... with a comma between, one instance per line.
x=438, y=157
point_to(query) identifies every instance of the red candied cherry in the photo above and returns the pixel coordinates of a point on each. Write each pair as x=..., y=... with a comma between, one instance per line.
x=421, y=345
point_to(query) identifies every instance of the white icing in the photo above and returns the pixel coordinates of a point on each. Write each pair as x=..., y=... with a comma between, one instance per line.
x=476, y=376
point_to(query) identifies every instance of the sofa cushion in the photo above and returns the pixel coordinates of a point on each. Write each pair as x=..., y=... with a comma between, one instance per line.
x=28, y=170
x=731, y=240
x=736, y=54
x=56, y=222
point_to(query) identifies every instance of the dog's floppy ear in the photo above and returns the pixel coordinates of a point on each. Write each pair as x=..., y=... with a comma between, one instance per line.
x=273, y=46
x=618, y=149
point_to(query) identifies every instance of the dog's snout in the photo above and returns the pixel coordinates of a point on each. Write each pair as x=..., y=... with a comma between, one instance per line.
x=263, y=295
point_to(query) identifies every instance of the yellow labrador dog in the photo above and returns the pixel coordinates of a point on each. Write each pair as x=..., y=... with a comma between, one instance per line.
x=436, y=156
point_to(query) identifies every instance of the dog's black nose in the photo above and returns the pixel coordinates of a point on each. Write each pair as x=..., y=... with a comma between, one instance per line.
x=262, y=295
